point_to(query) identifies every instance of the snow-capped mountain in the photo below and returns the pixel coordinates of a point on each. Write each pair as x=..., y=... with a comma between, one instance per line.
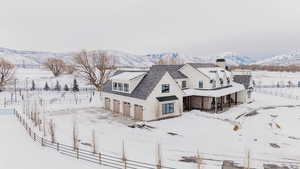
x=28, y=57
x=230, y=57
x=291, y=58
x=122, y=58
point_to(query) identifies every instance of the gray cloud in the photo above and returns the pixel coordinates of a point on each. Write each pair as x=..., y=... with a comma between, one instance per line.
x=191, y=27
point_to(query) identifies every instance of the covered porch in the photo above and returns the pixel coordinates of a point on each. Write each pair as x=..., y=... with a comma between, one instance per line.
x=215, y=100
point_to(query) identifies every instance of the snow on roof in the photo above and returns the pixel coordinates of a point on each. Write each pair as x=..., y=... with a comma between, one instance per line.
x=236, y=87
x=127, y=75
x=214, y=72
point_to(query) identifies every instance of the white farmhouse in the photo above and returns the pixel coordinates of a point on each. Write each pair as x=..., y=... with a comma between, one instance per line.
x=166, y=91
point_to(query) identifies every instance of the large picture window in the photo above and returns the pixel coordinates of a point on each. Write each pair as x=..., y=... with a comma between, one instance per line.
x=165, y=88
x=168, y=108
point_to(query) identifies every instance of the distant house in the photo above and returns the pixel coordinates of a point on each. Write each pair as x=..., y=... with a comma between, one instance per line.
x=167, y=90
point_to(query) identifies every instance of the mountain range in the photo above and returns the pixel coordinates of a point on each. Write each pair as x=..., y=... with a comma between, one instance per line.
x=127, y=59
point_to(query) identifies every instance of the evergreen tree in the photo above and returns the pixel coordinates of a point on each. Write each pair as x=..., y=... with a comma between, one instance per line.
x=57, y=86
x=46, y=87
x=32, y=85
x=75, y=86
x=66, y=88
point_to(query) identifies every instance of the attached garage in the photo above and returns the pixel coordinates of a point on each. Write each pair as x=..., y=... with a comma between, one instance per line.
x=107, y=103
x=116, y=106
x=138, y=112
x=126, y=109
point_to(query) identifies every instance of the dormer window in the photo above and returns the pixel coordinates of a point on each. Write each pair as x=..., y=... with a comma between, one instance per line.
x=120, y=86
x=228, y=80
x=126, y=87
x=165, y=88
x=115, y=86
x=221, y=81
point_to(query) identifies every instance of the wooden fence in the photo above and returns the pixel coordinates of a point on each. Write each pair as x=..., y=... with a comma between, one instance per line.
x=98, y=158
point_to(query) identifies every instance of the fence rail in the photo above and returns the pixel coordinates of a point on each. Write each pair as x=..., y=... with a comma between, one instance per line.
x=98, y=158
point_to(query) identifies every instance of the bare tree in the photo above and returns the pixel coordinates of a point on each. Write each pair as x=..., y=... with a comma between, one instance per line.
x=7, y=71
x=94, y=66
x=56, y=66
x=69, y=69
x=169, y=61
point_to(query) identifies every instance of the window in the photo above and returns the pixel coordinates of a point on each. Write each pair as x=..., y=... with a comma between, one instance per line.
x=120, y=86
x=165, y=88
x=183, y=84
x=115, y=86
x=126, y=87
x=168, y=108
x=200, y=84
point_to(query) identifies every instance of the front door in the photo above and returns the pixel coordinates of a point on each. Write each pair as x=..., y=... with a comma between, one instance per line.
x=138, y=112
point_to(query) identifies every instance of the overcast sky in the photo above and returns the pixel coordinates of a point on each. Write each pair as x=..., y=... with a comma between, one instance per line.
x=190, y=27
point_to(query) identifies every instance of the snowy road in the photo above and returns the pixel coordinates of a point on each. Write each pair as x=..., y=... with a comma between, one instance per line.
x=18, y=151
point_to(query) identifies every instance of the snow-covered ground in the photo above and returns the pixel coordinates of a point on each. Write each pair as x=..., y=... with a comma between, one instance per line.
x=273, y=78
x=268, y=128
x=18, y=151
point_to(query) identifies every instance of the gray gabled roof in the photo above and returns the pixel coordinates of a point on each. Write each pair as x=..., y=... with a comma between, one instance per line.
x=243, y=79
x=172, y=69
x=202, y=65
x=143, y=89
x=148, y=83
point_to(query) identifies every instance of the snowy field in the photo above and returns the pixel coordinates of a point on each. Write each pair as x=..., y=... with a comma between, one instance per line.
x=18, y=151
x=272, y=78
x=268, y=128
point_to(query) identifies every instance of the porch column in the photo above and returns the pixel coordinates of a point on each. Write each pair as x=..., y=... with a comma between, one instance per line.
x=216, y=107
x=236, y=98
x=222, y=103
x=189, y=101
x=229, y=101
x=202, y=102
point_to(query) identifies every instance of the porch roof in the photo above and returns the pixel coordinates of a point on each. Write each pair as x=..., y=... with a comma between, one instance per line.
x=236, y=87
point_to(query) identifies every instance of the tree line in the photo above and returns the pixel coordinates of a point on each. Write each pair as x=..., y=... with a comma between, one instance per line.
x=289, y=68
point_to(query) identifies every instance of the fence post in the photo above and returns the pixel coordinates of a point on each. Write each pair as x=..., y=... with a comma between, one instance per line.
x=57, y=146
x=42, y=141
x=100, y=158
x=125, y=163
x=34, y=137
x=77, y=152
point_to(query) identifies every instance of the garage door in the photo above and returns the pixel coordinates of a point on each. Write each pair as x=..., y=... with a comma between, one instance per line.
x=126, y=109
x=138, y=112
x=116, y=107
x=107, y=104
